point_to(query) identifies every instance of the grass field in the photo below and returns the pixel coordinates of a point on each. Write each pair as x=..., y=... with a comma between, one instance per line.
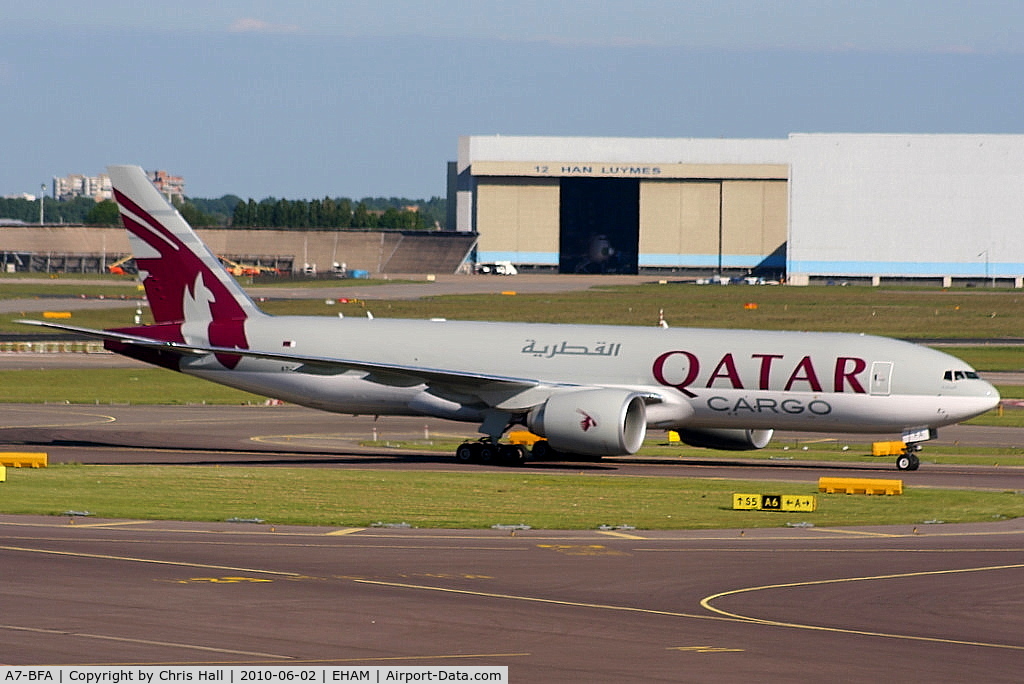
x=363, y=498
x=115, y=385
x=908, y=313
x=911, y=313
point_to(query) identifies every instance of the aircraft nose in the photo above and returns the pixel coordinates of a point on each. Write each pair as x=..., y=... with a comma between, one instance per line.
x=986, y=395
x=976, y=396
x=991, y=393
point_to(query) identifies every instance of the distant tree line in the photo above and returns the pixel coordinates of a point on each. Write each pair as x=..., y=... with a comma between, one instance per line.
x=232, y=211
x=70, y=211
x=340, y=212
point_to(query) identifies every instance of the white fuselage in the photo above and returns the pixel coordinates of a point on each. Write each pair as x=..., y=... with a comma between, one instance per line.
x=703, y=378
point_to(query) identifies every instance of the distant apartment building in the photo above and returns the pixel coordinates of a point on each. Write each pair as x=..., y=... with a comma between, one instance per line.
x=79, y=185
x=99, y=188
x=171, y=187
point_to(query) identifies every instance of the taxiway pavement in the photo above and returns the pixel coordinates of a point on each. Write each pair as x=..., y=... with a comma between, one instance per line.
x=932, y=603
x=772, y=605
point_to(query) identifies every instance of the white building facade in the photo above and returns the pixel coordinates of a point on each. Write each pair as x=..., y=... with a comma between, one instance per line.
x=806, y=207
x=886, y=206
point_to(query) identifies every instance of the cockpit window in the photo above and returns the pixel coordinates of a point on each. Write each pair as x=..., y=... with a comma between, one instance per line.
x=954, y=375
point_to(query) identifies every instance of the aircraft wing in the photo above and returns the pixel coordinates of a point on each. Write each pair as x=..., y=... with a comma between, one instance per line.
x=509, y=393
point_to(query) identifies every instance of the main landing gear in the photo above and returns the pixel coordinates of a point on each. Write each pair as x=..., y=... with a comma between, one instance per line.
x=908, y=460
x=491, y=452
x=488, y=451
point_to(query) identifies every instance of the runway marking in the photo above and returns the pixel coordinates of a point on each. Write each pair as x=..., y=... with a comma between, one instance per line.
x=861, y=533
x=347, y=530
x=114, y=524
x=152, y=561
x=144, y=642
x=724, y=615
x=101, y=420
x=705, y=649
x=555, y=602
x=706, y=603
x=222, y=580
x=582, y=549
x=621, y=535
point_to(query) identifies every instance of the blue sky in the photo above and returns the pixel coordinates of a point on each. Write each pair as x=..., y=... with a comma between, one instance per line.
x=328, y=97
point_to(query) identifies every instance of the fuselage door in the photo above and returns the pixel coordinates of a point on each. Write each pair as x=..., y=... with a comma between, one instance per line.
x=881, y=378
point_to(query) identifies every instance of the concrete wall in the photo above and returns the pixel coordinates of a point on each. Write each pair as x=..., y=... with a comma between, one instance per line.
x=373, y=251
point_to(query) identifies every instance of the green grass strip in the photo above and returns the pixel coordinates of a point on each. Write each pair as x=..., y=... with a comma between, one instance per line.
x=115, y=386
x=358, y=498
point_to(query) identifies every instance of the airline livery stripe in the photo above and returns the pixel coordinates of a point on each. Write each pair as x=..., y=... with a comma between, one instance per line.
x=140, y=228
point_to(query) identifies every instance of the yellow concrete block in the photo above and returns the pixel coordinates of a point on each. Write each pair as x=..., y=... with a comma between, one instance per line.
x=22, y=459
x=3, y=473
x=887, y=448
x=522, y=437
x=857, y=485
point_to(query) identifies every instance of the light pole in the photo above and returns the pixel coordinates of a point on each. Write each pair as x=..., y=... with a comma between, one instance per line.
x=985, y=254
x=42, y=197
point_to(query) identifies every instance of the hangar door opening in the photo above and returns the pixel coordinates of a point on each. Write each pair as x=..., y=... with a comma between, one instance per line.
x=599, y=225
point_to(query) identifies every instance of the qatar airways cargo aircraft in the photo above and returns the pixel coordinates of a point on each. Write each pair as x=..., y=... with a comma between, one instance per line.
x=586, y=389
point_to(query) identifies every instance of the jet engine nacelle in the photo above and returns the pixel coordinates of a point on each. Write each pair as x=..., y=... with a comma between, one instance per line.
x=597, y=422
x=726, y=439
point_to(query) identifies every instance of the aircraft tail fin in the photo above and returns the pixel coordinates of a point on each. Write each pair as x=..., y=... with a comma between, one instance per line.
x=187, y=287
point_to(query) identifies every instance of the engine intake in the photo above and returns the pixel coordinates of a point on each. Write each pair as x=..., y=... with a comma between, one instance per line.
x=593, y=422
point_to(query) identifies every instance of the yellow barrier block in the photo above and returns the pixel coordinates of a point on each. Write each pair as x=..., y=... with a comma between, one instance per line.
x=856, y=485
x=56, y=314
x=20, y=459
x=3, y=473
x=522, y=437
x=887, y=448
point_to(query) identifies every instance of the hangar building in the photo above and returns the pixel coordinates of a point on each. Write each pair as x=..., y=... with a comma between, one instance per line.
x=808, y=206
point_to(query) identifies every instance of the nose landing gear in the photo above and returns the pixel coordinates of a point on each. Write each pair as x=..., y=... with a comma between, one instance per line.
x=908, y=460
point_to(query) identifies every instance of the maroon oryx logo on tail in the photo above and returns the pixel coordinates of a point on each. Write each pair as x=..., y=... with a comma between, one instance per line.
x=186, y=297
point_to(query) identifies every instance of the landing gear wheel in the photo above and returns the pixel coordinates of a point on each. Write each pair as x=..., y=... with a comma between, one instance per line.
x=512, y=454
x=542, y=450
x=907, y=461
x=467, y=452
x=488, y=453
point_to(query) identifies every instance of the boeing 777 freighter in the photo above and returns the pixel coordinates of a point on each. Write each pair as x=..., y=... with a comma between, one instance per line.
x=586, y=389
